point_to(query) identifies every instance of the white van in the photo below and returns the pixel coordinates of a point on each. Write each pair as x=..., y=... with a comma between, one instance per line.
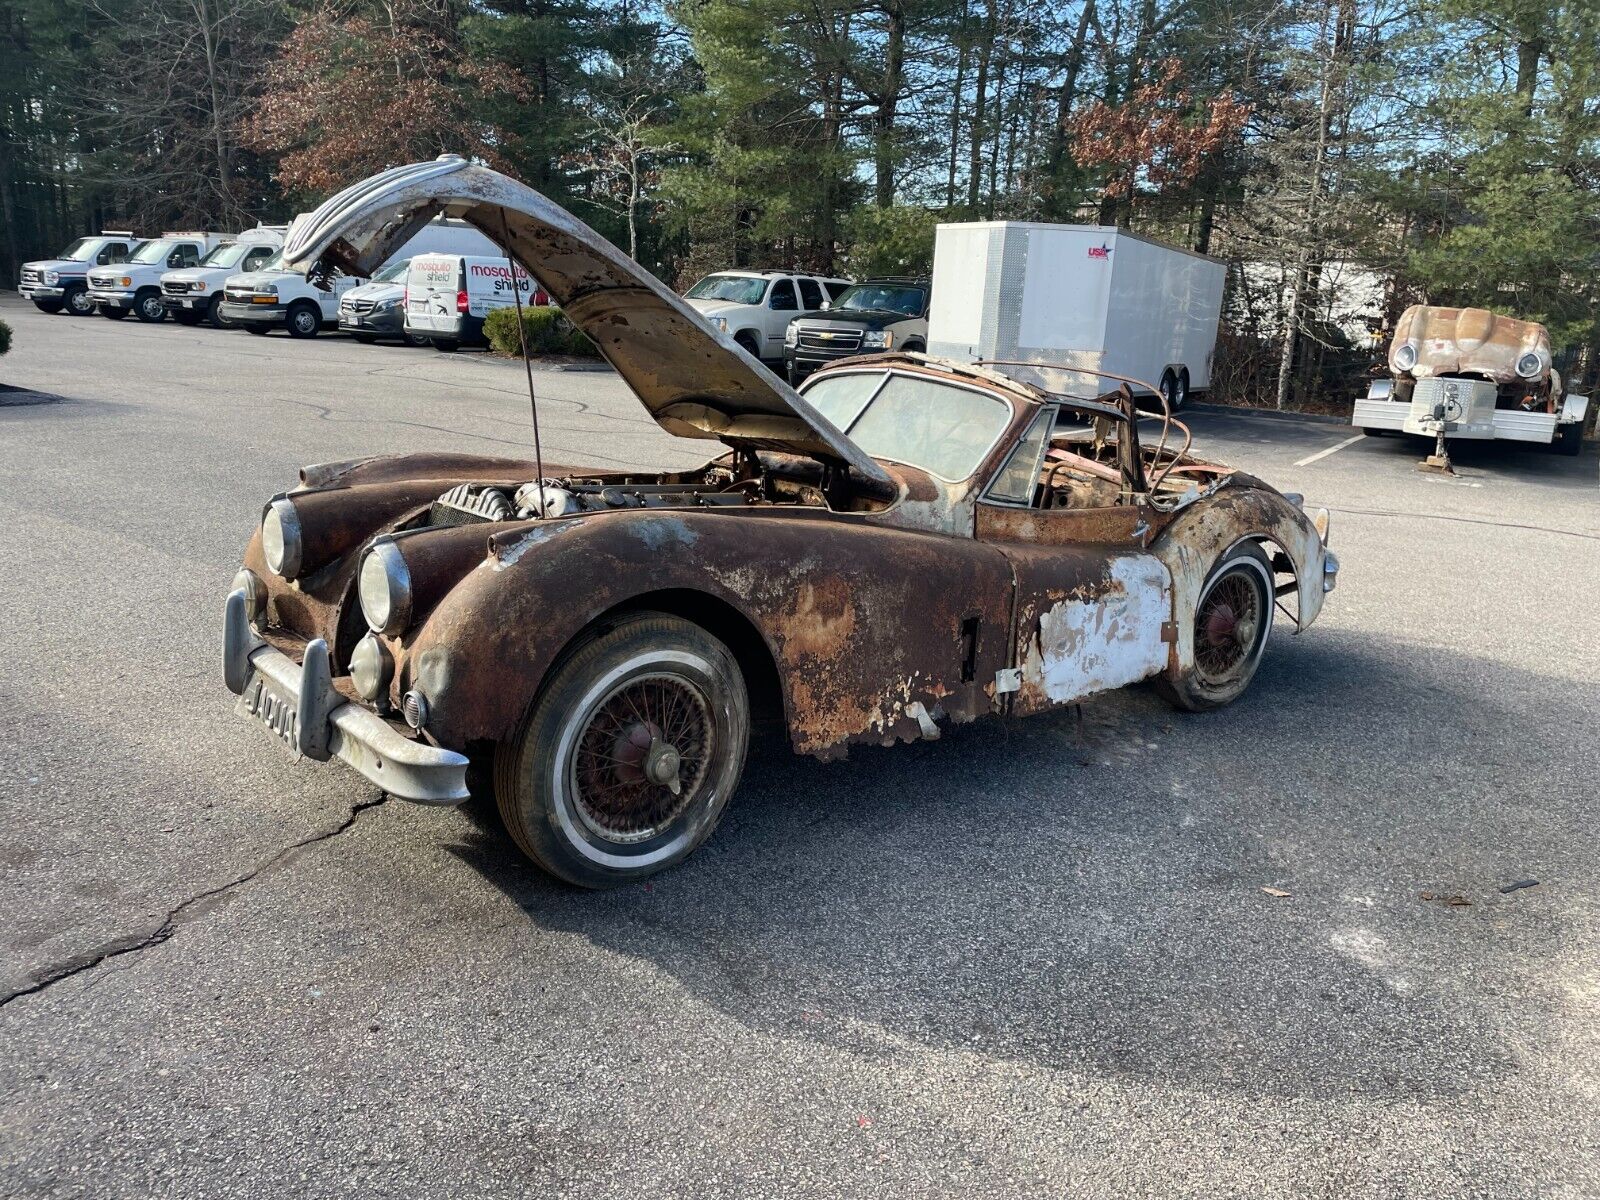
x=135, y=284
x=449, y=295
x=194, y=294
x=271, y=298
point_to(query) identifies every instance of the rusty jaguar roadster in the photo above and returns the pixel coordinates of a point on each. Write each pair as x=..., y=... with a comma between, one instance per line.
x=904, y=544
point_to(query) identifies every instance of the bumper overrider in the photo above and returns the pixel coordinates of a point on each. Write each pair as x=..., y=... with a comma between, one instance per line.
x=297, y=703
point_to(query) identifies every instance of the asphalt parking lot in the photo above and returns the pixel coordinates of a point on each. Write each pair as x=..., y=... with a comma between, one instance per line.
x=1028, y=959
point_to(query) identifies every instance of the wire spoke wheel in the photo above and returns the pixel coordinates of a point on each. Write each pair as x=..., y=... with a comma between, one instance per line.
x=642, y=757
x=1226, y=627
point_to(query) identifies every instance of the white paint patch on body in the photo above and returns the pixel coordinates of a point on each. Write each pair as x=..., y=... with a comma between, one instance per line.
x=1111, y=639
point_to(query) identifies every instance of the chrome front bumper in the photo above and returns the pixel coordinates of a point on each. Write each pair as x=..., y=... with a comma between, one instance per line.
x=319, y=723
x=115, y=299
x=38, y=291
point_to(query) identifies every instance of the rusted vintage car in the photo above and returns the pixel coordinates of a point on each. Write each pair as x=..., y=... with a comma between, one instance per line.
x=905, y=544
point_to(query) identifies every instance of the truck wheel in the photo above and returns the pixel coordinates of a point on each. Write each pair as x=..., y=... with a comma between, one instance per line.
x=628, y=757
x=148, y=308
x=1569, y=439
x=1231, y=624
x=914, y=348
x=304, y=319
x=214, y=313
x=1180, y=390
x=49, y=306
x=112, y=313
x=748, y=342
x=78, y=302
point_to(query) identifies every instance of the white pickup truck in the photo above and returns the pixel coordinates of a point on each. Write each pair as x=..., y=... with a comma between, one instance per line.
x=194, y=294
x=62, y=282
x=755, y=307
x=135, y=285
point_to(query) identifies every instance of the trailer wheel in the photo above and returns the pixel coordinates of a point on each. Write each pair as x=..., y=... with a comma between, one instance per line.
x=1169, y=386
x=1569, y=439
x=1180, y=393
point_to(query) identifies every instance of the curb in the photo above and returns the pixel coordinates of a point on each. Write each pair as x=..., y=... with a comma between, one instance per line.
x=1270, y=414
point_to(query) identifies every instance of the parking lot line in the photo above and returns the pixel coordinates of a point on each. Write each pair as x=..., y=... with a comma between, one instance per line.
x=1309, y=459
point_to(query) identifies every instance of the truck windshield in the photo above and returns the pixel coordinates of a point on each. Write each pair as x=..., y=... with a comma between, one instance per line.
x=941, y=428
x=393, y=272
x=736, y=289
x=224, y=256
x=151, y=251
x=78, y=251
x=883, y=297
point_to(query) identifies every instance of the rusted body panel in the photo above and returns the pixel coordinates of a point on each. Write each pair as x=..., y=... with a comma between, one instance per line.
x=840, y=606
x=1469, y=341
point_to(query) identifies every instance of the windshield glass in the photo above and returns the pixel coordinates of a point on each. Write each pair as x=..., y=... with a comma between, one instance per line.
x=393, y=272
x=78, y=251
x=884, y=297
x=224, y=256
x=736, y=289
x=151, y=251
x=938, y=427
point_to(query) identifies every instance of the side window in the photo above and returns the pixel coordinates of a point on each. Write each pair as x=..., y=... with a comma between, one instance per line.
x=187, y=255
x=836, y=287
x=1018, y=480
x=256, y=257
x=118, y=252
x=783, y=296
x=810, y=295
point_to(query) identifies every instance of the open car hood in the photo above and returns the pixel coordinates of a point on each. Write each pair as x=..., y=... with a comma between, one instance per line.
x=695, y=381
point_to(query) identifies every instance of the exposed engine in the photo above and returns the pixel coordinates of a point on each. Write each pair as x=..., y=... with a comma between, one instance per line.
x=562, y=497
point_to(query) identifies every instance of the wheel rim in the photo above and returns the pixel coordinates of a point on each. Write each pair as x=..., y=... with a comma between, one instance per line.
x=80, y=303
x=302, y=321
x=1227, y=628
x=642, y=756
x=152, y=308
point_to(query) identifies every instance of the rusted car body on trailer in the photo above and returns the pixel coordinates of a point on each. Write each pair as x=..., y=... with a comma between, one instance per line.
x=1471, y=373
x=907, y=543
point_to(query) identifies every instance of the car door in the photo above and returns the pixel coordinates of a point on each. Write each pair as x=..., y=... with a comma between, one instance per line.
x=1093, y=607
x=784, y=302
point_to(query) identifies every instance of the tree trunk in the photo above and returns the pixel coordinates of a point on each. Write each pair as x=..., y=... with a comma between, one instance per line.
x=955, y=110
x=889, y=99
x=1064, y=102
x=980, y=105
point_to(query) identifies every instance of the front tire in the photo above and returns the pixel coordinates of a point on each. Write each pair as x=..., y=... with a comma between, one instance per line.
x=1232, y=621
x=304, y=320
x=258, y=330
x=148, y=308
x=214, y=314
x=187, y=316
x=112, y=313
x=78, y=303
x=586, y=788
x=49, y=306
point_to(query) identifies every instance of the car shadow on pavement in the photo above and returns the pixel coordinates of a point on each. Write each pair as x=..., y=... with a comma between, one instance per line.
x=1085, y=892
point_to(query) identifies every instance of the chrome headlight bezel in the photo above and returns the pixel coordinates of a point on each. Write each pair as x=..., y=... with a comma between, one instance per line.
x=52, y=278
x=371, y=668
x=1530, y=364
x=282, y=543
x=255, y=594
x=383, y=586
x=1404, y=357
x=791, y=335
x=877, y=339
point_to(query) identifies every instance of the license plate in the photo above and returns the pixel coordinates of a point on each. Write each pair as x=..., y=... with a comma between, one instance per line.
x=188, y=303
x=355, y=320
x=263, y=702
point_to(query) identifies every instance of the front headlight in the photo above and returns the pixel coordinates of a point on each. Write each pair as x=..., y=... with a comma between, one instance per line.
x=877, y=339
x=371, y=668
x=385, y=589
x=384, y=305
x=198, y=286
x=791, y=335
x=280, y=538
x=1529, y=365
x=721, y=323
x=1405, y=357
x=266, y=289
x=52, y=277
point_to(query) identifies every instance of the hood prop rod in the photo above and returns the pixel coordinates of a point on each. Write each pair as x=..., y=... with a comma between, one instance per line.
x=527, y=363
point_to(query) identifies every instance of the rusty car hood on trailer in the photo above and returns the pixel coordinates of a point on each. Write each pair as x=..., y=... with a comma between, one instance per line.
x=1469, y=341
x=695, y=381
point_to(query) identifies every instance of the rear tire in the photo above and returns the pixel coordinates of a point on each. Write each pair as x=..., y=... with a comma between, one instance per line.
x=414, y=339
x=1232, y=621
x=1180, y=395
x=584, y=788
x=49, y=306
x=304, y=320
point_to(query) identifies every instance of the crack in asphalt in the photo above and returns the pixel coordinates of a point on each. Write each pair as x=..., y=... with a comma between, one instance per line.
x=1384, y=512
x=177, y=916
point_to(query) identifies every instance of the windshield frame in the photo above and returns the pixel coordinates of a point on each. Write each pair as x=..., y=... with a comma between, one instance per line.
x=1011, y=405
x=161, y=247
x=760, y=281
x=840, y=306
x=84, y=248
x=400, y=269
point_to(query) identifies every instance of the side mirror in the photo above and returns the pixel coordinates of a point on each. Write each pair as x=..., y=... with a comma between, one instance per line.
x=826, y=305
x=103, y=258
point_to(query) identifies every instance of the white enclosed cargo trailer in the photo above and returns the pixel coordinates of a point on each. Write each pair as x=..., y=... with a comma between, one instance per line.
x=1066, y=298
